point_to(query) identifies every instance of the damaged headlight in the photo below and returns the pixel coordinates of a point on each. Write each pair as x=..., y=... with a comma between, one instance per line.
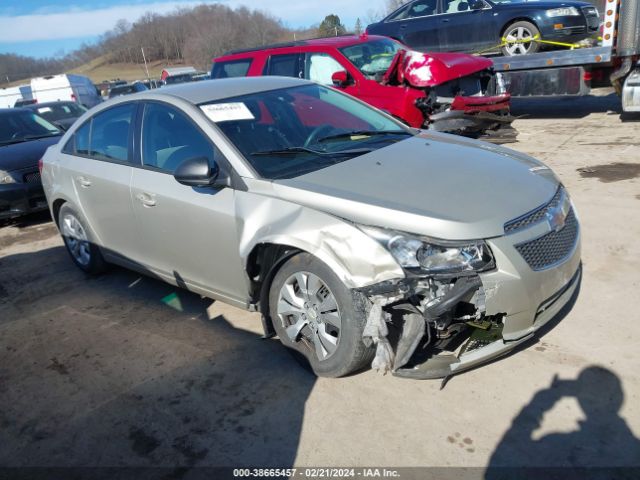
x=563, y=12
x=435, y=257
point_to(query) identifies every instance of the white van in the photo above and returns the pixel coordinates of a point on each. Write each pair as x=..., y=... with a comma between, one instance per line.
x=74, y=88
x=9, y=96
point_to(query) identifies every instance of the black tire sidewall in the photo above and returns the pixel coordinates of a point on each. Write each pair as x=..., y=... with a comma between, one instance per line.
x=96, y=263
x=531, y=27
x=351, y=353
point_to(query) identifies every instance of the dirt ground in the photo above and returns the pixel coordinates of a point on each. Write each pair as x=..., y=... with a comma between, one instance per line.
x=124, y=370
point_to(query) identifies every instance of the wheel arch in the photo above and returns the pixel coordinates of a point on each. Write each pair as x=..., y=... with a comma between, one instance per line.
x=511, y=21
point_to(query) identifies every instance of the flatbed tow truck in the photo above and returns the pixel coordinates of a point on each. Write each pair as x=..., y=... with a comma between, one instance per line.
x=615, y=61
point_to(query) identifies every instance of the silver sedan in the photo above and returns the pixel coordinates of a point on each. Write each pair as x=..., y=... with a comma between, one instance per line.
x=360, y=240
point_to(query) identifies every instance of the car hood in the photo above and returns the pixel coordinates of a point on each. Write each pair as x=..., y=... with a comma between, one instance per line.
x=432, y=184
x=431, y=69
x=24, y=155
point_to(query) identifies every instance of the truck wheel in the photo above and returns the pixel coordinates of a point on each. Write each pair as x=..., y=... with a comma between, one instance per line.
x=83, y=251
x=520, y=32
x=314, y=314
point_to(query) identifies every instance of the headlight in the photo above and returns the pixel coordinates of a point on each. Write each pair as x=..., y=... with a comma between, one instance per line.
x=563, y=12
x=433, y=256
x=5, y=178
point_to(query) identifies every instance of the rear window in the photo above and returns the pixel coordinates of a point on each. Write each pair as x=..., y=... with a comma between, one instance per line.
x=235, y=68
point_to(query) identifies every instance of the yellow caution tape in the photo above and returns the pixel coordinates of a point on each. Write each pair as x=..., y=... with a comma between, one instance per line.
x=536, y=38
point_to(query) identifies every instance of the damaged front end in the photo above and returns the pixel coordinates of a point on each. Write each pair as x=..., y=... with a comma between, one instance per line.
x=423, y=323
x=461, y=94
x=422, y=326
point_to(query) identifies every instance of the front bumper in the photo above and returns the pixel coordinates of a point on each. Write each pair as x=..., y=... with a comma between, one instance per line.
x=523, y=297
x=18, y=199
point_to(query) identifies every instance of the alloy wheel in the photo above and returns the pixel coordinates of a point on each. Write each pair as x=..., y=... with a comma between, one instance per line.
x=309, y=313
x=76, y=239
x=522, y=39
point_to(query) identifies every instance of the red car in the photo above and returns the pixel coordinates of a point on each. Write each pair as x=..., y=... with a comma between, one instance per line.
x=449, y=92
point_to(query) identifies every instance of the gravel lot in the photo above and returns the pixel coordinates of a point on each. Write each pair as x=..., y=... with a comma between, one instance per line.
x=124, y=370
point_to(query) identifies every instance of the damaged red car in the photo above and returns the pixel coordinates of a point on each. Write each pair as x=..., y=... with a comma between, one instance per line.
x=448, y=92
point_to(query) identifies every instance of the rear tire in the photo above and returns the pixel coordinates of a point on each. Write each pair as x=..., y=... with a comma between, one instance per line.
x=314, y=314
x=79, y=242
x=520, y=31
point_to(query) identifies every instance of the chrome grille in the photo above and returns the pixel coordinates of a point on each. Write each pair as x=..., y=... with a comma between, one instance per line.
x=32, y=177
x=534, y=216
x=552, y=248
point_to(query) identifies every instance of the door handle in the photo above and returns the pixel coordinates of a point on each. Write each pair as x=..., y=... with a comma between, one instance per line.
x=446, y=20
x=403, y=26
x=147, y=199
x=84, y=181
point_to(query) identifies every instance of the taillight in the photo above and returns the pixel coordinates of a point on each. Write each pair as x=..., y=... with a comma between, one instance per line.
x=587, y=77
x=73, y=97
x=40, y=165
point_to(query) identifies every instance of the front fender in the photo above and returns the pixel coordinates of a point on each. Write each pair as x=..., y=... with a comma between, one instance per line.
x=357, y=259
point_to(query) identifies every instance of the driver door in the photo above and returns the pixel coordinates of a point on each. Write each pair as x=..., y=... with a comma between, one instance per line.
x=188, y=235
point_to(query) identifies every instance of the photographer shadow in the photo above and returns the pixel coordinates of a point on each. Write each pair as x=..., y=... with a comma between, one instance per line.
x=603, y=439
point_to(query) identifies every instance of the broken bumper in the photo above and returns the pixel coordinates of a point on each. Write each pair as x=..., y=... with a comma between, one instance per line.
x=519, y=299
x=479, y=117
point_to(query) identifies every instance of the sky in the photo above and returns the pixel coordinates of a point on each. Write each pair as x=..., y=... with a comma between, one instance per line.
x=42, y=28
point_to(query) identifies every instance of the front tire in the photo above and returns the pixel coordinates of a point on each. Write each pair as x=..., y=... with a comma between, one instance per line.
x=81, y=247
x=520, y=32
x=314, y=314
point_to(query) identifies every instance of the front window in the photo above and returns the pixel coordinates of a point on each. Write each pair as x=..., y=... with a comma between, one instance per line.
x=20, y=126
x=288, y=132
x=372, y=58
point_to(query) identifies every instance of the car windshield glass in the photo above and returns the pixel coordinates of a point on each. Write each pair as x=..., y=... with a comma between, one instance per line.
x=60, y=111
x=289, y=132
x=21, y=125
x=372, y=58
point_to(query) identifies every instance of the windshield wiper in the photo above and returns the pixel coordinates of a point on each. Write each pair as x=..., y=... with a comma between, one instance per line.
x=322, y=153
x=363, y=133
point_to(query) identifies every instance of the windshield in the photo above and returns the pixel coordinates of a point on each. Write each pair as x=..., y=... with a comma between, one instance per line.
x=372, y=58
x=289, y=132
x=60, y=111
x=21, y=125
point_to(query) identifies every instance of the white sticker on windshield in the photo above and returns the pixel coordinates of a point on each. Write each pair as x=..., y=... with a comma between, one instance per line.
x=44, y=110
x=225, y=112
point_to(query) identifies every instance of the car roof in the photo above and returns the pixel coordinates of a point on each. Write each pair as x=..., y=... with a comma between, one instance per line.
x=47, y=104
x=332, y=42
x=212, y=90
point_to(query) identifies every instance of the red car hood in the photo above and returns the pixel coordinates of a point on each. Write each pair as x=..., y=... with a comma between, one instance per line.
x=431, y=69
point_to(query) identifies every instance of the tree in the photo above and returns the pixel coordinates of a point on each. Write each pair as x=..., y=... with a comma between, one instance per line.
x=358, y=28
x=394, y=4
x=331, y=27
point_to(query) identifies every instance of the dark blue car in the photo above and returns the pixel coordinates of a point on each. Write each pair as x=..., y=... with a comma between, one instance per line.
x=475, y=25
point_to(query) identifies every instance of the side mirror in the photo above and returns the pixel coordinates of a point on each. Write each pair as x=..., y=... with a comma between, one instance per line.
x=340, y=79
x=476, y=4
x=196, y=172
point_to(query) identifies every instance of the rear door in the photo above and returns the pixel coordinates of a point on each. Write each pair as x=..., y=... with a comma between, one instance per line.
x=289, y=64
x=187, y=234
x=466, y=30
x=417, y=25
x=99, y=159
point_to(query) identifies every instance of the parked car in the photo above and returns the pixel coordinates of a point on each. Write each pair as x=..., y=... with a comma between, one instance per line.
x=65, y=87
x=454, y=93
x=24, y=137
x=127, y=89
x=327, y=215
x=60, y=114
x=475, y=25
x=9, y=96
x=23, y=102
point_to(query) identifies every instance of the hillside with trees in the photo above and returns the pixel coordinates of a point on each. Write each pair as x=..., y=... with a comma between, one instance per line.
x=186, y=36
